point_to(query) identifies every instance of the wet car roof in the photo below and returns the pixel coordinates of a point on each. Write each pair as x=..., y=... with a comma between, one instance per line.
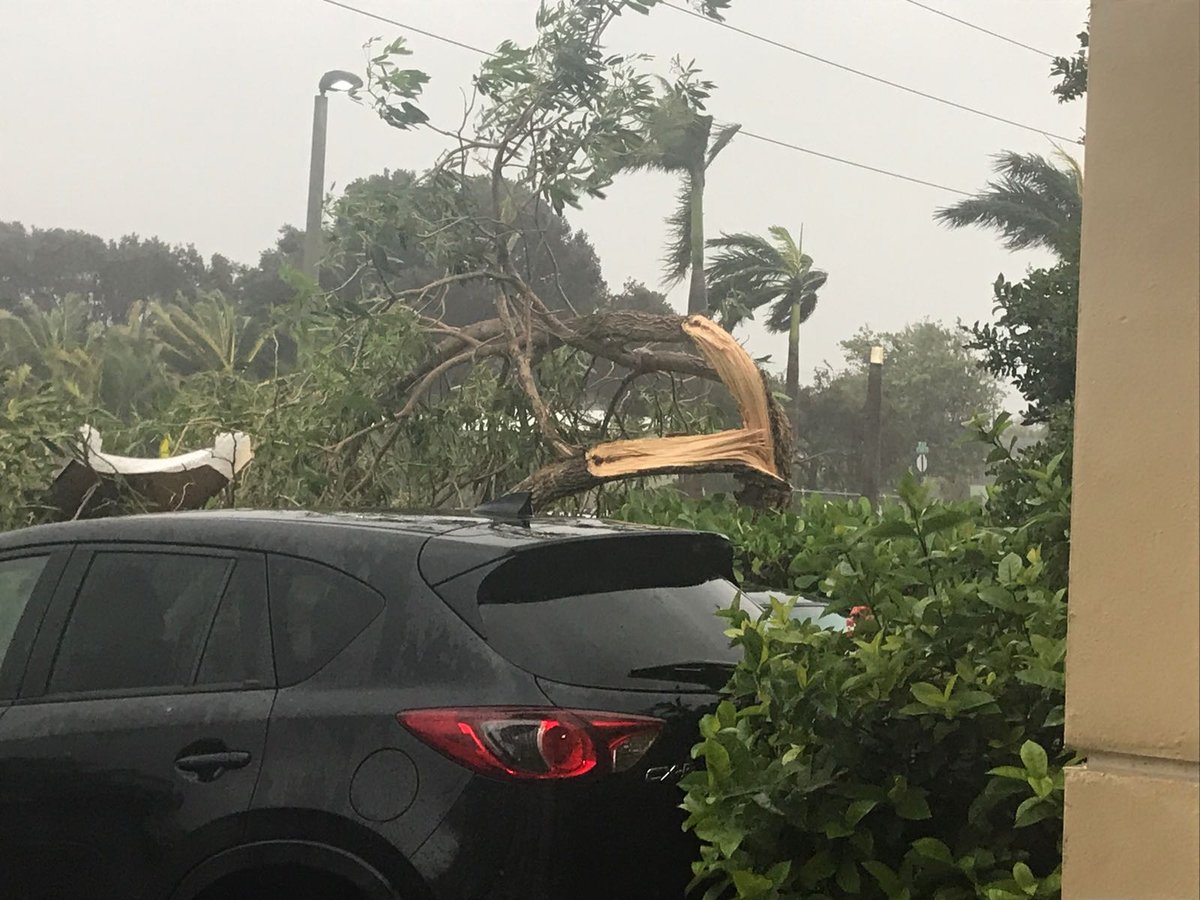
x=255, y=529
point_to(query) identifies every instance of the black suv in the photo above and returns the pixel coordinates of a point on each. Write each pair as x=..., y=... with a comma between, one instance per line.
x=295, y=705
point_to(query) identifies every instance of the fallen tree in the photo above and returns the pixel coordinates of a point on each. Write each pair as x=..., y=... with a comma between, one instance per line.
x=557, y=121
x=758, y=452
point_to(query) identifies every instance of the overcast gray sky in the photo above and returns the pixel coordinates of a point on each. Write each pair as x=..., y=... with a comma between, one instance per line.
x=189, y=120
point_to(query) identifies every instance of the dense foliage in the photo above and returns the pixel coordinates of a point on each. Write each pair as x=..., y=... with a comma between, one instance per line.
x=932, y=387
x=1072, y=71
x=45, y=264
x=919, y=755
x=311, y=379
x=1035, y=202
x=782, y=551
x=383, y=242
x=173, y=381
x=1032, y=340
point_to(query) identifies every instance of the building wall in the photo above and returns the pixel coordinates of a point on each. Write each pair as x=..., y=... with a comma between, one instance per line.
x=1133, y=657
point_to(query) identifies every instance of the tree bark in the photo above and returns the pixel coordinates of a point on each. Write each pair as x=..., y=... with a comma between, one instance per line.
x=758, y=452
x=793, y=370
x=573, y=476
x=691, y=483
x=698, y=287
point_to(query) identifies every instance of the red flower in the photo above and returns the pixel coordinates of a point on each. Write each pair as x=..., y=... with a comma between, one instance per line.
x=858, y=614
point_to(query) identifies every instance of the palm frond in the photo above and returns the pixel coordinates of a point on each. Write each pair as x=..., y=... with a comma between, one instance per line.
x=208, y=335
x=725, y=134
x=780, y=317
x=744, y=256
x=792, y=250
x=808, y=305
x=1074, y=166
x=748, y=271
x=746, y=267
x=678, y=257
x=1032, y=204
x=647, y=158
x=813, y=281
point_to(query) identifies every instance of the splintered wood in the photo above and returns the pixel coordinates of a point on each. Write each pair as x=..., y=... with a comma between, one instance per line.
x=616, y=459
x=751, y=446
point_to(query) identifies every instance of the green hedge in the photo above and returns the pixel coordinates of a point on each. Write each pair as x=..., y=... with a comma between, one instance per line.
x=787, y=551
x=919, y=757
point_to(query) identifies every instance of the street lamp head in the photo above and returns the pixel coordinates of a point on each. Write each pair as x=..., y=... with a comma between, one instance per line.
x=337, y=80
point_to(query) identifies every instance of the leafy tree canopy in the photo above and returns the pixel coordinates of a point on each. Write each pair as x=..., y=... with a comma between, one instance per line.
x=1032, y=341
x=386, y=239
x=43, y=265
x=1035, y=203
x=1072, y=72
x=932, y=387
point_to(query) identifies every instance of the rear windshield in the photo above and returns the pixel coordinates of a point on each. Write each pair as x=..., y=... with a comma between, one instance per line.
x=647, y=638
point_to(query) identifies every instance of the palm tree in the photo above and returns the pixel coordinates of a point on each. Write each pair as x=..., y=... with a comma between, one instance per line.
x=677, y=138
x=750, y=271
x=1033, y=203
x=207, y=336
x=56, y=342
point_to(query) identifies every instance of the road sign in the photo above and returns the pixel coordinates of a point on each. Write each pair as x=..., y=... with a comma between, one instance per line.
x=922, y=463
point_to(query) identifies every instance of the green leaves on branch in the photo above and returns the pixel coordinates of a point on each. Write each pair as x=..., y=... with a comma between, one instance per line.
x=556, y=119
x=392, y=89
x=920, y=756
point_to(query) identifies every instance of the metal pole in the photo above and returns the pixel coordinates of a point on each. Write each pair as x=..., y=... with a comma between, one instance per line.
x=316, y=187
x=872, y=445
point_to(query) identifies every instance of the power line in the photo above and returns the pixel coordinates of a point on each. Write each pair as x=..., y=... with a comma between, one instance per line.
x=742, y=133
x=412, y=28
x=861, y=74
x=972, y=25
x=848, y=162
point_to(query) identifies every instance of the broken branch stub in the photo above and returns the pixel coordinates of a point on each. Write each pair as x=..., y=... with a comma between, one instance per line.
x=757, y=452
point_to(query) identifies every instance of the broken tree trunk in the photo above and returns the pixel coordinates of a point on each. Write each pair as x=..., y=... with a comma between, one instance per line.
x=758, y=452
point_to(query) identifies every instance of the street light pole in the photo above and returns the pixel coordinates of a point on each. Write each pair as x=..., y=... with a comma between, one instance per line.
x=316, y=185
x=873, y=445
x=334, y=80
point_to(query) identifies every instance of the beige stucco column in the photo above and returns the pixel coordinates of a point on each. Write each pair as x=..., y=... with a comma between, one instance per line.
x=1133, y=642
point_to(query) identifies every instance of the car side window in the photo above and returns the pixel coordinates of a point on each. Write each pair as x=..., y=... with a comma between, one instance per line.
x=140, y=620
x=18, y=578
x=315, y=612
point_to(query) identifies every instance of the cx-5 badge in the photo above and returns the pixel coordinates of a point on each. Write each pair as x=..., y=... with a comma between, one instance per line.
x=668, y=773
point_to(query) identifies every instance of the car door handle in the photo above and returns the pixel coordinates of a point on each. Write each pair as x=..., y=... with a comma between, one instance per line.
x=209, y=766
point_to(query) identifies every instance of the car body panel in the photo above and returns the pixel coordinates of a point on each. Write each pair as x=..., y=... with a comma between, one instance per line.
x=93, y=801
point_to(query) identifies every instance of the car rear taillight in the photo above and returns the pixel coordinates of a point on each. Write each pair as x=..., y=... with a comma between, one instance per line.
x=534, y=743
